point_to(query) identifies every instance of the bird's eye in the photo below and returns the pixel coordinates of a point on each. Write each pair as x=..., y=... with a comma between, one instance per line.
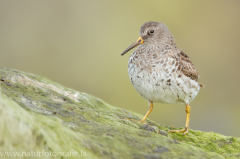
x=151, y=31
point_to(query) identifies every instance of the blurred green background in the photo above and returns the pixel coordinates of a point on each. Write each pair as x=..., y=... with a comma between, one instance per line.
x=78, y=44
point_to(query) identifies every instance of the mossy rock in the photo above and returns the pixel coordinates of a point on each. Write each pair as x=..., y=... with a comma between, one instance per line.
x=38, y=115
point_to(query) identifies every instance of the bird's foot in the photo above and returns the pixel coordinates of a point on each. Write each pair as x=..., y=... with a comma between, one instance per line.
x=141, y=121
x=184, y=131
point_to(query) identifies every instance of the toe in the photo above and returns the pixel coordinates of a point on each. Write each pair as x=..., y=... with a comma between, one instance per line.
x=143, y=122
x=184, y=131
x=178, y=131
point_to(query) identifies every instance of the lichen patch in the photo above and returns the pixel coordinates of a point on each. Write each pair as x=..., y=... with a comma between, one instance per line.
x=28, y=81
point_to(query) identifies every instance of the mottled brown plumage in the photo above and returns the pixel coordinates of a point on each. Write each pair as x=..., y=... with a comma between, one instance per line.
x=188, y=68
x=159, y=71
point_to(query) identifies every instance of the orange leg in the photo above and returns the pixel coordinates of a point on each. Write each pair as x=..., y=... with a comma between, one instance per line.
x=143, y=121
x=185, y=130
x=150, y=103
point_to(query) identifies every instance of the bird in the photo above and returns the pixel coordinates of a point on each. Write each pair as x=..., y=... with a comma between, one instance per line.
x=160, y=72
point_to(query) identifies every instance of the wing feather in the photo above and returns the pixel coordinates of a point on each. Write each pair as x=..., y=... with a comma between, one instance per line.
x=187, y=66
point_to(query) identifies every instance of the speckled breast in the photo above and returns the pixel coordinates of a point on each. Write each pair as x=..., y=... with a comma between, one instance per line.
x=157, y=76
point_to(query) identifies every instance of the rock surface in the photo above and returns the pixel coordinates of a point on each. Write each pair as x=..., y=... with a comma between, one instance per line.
x=39, y=117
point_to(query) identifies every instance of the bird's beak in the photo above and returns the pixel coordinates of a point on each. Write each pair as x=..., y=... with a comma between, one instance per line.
x=136, y=43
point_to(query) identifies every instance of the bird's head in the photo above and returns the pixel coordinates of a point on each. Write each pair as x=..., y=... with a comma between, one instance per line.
x=153, y=33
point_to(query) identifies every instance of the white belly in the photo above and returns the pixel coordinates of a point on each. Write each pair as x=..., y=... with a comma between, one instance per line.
x=162, y=87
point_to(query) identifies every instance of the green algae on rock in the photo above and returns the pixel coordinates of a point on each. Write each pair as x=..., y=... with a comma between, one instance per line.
x=40, y=115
